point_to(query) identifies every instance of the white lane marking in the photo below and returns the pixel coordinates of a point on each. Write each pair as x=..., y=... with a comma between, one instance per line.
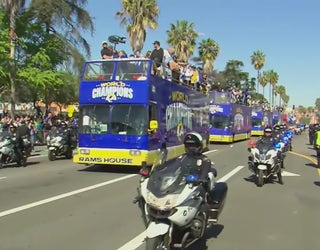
x=211, y=151
x=230, y=174
x=138, y=240
x=134, y=243
x=61, y=196
x=285, y=173
x=2, y=177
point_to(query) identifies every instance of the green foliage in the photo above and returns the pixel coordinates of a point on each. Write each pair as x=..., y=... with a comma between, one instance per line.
x=182, y=36
x=317, y=104
x=137, y=16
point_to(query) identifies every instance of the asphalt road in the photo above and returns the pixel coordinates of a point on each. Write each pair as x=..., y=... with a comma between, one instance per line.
x=61, y=205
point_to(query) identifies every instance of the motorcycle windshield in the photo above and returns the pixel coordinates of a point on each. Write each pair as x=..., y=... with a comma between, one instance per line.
x=167, y=178
x=264, y=146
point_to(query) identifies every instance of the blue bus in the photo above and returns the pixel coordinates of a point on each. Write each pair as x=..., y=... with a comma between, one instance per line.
x=126, y=114
x=260, y=119
x=229, y=121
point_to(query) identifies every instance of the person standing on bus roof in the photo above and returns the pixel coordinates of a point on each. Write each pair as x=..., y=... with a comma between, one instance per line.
x=157, y=57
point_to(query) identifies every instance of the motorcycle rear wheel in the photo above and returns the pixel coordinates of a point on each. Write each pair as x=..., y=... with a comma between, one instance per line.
x=51, y=155
x=22, y=162
x=156, y=243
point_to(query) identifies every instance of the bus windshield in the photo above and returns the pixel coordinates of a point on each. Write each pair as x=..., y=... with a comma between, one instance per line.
x=256, y=121
x=127, y=119
x=121, y=69
x=121, y=119
x=220, y=122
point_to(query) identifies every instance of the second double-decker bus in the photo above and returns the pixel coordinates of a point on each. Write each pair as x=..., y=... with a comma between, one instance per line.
x=126, y=114
x=260, y=119
x=229, y=121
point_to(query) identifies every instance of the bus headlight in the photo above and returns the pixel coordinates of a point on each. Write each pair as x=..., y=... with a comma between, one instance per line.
x=135, y=152
x=84, y=151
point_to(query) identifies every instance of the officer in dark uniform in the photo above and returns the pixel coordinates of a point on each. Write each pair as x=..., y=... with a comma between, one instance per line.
x=22, y=132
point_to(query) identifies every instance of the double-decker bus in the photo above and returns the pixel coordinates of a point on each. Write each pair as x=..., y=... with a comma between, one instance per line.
x=260, y=119
x=229, y=121
x=126, y=114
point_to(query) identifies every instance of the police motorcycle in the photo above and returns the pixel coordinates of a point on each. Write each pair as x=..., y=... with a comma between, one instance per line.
x=59, y=144
x=265, y=161
x=8, y=152
x=286, y=138
x=175, y=208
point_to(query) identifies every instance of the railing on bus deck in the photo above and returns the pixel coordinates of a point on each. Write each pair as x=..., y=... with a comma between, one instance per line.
x=124, y=69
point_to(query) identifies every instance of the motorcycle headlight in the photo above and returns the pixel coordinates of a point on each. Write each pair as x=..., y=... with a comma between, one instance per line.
x=262, y=157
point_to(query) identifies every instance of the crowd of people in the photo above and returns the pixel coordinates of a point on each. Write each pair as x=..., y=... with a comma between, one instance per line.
x=38, y=125
x=165, y=64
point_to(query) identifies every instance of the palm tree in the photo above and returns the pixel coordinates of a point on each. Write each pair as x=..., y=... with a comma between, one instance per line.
x=257, y=60
x=64, y=19
x=138, y=15
x=13, y=8
x=263, y=80
x=182, y=36
x=281, y=90
x=208, y=52
x=285, y=99
x=273, y=78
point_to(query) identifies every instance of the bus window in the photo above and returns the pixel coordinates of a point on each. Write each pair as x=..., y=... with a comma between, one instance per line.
x=132, y=70
x=221, y=97
x=94, y=119
x=129, y=119
x=98, y=71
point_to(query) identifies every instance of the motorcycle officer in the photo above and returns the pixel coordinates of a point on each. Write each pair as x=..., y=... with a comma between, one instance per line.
x=270, y=137
x=198, y=162
x=22, y=132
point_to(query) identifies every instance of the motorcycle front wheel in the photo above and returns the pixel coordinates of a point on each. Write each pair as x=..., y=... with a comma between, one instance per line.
x=156, y=243
x=69, y=153
x=279, y=175
x=260, y=178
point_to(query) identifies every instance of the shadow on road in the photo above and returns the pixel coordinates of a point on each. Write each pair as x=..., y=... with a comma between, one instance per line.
x=317, y=183
x=253, y=178
x=111, y=169
x=30, y=162
x=212, y=232
x=311, y=165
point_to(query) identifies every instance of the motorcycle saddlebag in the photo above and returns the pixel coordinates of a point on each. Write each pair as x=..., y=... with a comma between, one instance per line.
x=217, y=199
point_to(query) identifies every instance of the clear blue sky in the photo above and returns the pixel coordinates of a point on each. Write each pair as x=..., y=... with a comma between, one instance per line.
x=286, y=31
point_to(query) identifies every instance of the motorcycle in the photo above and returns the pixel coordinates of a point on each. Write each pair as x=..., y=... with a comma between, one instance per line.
x=175, y=208
x=8, y=153
x=58, y=145
x=265, y=161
